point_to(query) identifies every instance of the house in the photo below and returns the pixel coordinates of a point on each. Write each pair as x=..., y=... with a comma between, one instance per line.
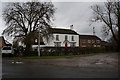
x=89, y=41
x=105, y=44
x=62, y=38
x=3, y=42
x=67, y=38
x=35, y=45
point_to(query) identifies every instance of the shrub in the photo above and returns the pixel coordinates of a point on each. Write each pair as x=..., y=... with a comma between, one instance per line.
x=60, y=51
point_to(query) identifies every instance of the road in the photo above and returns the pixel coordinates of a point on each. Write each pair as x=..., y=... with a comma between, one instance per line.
x=45, y=68
x=0, y=64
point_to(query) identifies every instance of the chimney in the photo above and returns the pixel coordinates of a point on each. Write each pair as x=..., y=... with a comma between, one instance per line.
x=71, y=27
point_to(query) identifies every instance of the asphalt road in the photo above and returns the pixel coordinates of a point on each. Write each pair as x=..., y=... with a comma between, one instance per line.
x=26, y=69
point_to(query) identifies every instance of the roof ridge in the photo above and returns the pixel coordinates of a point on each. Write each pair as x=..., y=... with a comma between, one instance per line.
x=86, y=35
x=63, y=31
x=62, y=28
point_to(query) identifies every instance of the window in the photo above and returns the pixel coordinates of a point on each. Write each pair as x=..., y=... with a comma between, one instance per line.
x=98, y=45
x=57, y=44
x=94, y=45
x=36, y=40
x=98, y=41
x=83, y=41
x=83, y=45
x=72, y=38
x=57, y=37
x=93, y=41
x=89, y=41
x=66, y=37
x=72, y=44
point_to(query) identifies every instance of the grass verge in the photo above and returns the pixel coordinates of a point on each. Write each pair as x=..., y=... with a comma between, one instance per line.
x=51, y=57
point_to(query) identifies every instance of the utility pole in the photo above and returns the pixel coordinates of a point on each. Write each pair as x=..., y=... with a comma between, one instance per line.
x=39, y=42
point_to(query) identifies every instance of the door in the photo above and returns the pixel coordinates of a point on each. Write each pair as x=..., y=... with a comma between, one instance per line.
x=66, y=44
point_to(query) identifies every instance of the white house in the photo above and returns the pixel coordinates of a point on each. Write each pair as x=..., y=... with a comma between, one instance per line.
x=63, y=38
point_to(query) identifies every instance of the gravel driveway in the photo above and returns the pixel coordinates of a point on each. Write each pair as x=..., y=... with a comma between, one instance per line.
x=101, y=60
x=97, y=66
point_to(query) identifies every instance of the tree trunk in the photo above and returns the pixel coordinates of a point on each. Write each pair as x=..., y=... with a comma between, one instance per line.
x=118, y=43
x=28, y=49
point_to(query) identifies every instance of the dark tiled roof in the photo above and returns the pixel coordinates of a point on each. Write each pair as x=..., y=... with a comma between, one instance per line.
x=63, y=31
x=41, y=43
x=89, y=37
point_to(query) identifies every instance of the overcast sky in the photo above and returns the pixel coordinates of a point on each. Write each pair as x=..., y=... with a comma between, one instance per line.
x=77, y=14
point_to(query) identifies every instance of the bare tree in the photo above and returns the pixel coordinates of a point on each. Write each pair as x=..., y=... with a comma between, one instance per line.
x=110, y=15
x=25, y=19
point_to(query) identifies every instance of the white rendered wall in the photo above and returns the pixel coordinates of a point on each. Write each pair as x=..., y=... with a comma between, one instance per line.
x=62, y=39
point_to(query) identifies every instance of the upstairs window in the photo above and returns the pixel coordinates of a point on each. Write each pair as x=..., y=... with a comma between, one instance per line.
x=89, y=41
x=83, y=41
x=98, y=41
x=93, y=41
x=66, y=37
x=36, y=40
x=72, y=38
x=57, y=37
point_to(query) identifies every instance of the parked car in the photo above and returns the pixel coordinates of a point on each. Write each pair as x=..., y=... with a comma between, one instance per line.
x=7, y=50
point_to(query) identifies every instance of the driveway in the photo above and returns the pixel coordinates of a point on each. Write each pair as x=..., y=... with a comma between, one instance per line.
x=98, y=66
x=101, y=60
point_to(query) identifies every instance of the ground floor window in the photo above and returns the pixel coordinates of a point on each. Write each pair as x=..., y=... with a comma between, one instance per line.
x=73, y=44
x=57, y=44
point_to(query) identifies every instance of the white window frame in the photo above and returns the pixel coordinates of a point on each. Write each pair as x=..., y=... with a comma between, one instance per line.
x=98, y=41
x=36, y=40
x=83, y=41
x=93, y=41
x=66, y=37
x=89, y=41
x=72, y=38
x=57, y=37
x=73, y=44
x=57, y=44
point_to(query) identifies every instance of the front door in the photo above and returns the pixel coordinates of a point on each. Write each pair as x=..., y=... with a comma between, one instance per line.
x=66, y=44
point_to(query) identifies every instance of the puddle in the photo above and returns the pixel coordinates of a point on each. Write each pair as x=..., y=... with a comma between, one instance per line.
x=18, y=62
x=99, y=63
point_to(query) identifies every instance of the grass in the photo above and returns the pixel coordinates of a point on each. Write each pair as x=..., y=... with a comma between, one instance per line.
x=48, y=57
x=51, y=57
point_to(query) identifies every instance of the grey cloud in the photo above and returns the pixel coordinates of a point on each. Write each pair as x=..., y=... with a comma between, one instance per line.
x=78, y=14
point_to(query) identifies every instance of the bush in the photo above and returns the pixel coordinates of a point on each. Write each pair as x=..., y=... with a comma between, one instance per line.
x=61, y=51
